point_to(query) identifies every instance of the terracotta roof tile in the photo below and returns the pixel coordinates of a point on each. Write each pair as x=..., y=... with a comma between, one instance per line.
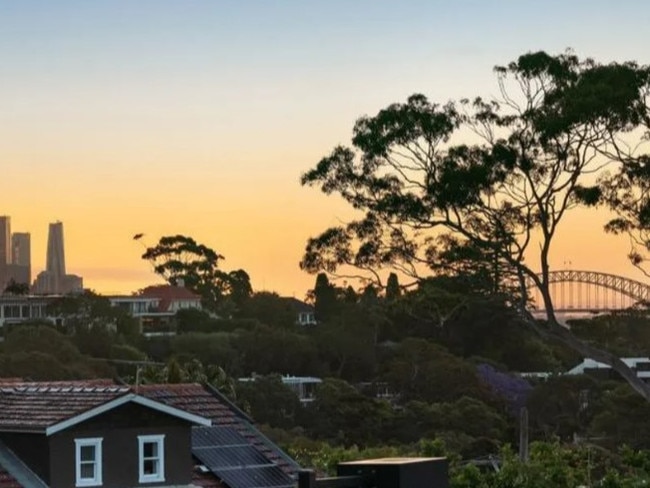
x=8, y=481
x=167, y=294
x=197, y=399
x=200, y=478
x=36, y=406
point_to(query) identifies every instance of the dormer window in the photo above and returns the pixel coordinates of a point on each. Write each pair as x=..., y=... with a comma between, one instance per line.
x=88, y=465
x=152, y=458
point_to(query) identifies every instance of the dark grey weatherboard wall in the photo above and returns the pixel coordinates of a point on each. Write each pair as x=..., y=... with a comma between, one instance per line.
x=53, y=458
x=32, y=449
x=120, y=429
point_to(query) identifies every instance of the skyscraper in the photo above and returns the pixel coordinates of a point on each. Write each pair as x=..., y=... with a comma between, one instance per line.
x=55, y=251
x=54, y=279
x=21, y=257
x=5, y=251
x=5, y=240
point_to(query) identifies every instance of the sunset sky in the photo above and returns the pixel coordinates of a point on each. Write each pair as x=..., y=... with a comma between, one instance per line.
x=198, y=117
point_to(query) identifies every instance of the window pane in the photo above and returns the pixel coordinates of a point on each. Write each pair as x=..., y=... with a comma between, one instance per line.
x=150, y=466
x=88, y=471
x=150, y=449
x=87, y=453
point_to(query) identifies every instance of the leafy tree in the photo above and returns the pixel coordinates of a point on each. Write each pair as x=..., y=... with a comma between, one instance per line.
x=14, y=288
x=180, y=259
x=41, y=339
x=341, y=414
x=393, y=291
x=501, y=194
x=33, y=366
x=420, y=370
x=562, y=407
x=215, y=348
x=271, y=309
x=627, y=191
x=347, y=345
x=269, y=401
x=195, y=320
x=325, y=300
x=622, y=419
x=265, y=350
x=89, y=311
x=626, y=333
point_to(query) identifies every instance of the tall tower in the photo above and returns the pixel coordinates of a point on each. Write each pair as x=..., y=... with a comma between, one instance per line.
x=21, y=256
x=5, y=240
x=55, y=254
x=5, y=251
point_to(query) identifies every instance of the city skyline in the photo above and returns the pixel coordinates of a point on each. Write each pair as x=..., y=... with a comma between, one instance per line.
x=165, y=118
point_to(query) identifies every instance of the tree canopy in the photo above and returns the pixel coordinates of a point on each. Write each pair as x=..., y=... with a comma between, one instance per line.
x=479, y=187
x=180, y=259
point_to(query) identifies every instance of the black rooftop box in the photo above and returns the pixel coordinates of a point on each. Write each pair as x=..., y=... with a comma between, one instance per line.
x=400, y=472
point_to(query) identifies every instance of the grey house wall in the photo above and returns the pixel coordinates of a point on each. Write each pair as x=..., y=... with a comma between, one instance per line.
x=53, y=458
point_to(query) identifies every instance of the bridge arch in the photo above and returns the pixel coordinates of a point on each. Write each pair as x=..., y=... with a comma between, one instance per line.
x=634, y=290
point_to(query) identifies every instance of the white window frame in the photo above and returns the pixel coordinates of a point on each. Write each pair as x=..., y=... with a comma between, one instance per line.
x=160, y=441
x=95, y=442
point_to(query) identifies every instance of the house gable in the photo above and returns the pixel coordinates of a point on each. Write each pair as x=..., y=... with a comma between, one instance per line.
x=139, y=400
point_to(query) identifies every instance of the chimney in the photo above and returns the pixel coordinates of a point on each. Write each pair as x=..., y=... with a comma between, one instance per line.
x=180, y=282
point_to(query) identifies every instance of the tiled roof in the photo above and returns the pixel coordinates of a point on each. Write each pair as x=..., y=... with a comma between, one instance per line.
x=203, y=401
x=167, y=294
x=200, y=478
x=8, y=481
x=36, y=406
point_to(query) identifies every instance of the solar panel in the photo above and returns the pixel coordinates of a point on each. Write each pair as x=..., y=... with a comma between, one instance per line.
x=226, y=457
x=217, y=436
x=232, y=458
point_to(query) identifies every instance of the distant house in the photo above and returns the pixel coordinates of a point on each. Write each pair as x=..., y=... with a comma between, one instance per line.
x=641, y=365
x=172, y=298
x=303, y=386
x=15, y=309
x=156, y=307
x=97, y=433
x=304, y=312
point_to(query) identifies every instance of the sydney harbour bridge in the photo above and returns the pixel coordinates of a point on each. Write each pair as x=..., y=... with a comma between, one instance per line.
x=590, y=292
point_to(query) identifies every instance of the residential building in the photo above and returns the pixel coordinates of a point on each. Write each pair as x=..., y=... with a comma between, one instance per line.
x=303, y=386
x=169, y=300
x=172, y=298
x=95, y=436
x=155, y=308
x=640, y=365
x=21, y=308
x=97, y=433
x=305, y=313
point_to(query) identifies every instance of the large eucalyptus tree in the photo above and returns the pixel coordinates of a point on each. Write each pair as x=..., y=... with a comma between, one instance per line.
x=483, y=184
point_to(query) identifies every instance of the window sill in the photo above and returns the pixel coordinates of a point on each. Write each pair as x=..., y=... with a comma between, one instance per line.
x=152, y=479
